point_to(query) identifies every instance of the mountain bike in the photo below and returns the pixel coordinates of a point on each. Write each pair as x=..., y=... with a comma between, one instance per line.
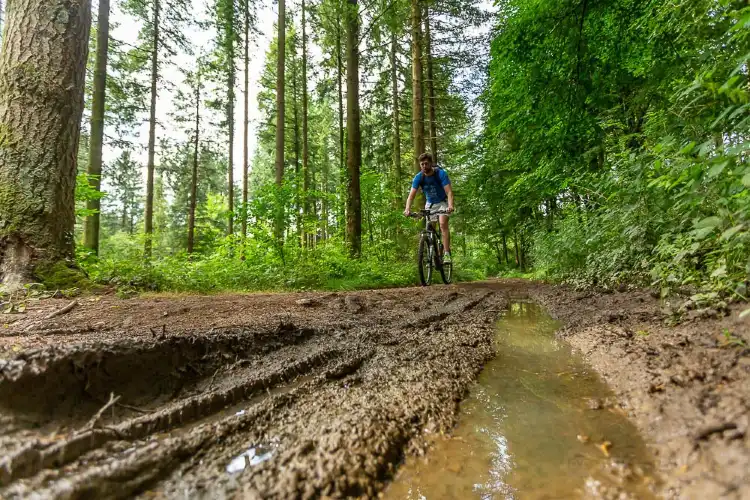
x=430, y=253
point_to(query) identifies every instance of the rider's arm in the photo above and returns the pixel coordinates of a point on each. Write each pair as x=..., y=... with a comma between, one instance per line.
x=410, y=199
x=449, y=192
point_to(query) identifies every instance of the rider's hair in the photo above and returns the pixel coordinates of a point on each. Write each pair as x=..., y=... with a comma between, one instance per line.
x=425, y=156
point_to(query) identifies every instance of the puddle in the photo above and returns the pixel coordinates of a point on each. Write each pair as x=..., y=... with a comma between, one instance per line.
x=253, y=456
x=536, y=425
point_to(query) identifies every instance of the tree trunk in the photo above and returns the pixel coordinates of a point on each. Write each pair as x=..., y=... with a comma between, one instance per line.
x=354, y=143
x=305, y=145
x=416, y=82
x=505, y=248
x=340, y=81
x=194, y=180
x=295, y=115
x=91, y=228
x=279, y=223
x=2, y=20
x=230, y=119
x=245, y=121
x=430, y=85
x=42, y=73
x=397, y=173
x=324, y=188
x=149, y=222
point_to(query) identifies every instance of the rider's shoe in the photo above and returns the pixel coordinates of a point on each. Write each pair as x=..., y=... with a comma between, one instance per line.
x=447, y=258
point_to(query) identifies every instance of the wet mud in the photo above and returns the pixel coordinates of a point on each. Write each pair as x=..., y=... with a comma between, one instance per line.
x=326, y=394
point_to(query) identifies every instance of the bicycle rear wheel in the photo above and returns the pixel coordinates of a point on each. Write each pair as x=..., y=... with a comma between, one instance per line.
x=424, y=260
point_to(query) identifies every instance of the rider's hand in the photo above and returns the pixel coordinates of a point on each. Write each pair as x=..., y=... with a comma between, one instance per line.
x=407, y=212
x=450, y=209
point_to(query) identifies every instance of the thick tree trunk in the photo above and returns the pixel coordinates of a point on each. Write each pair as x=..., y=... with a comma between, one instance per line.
x=245, y=121
x=305, y=145
x=416, y=82
x=194, y=179
x=354, y=143
x=397, y=173
x=149, y=222
x=91, y=228
x=430, y=85
x=279, y=223
x=42, y=72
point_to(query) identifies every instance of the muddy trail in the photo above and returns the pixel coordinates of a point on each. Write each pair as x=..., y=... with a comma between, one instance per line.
x=324, y=394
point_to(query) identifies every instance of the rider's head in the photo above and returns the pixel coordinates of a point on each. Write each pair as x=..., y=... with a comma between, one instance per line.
x=425, y=163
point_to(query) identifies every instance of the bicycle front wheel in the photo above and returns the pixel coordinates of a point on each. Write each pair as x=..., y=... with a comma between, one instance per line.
x=424, y=260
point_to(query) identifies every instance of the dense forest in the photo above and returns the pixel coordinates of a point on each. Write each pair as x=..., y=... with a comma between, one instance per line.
x=222, y=144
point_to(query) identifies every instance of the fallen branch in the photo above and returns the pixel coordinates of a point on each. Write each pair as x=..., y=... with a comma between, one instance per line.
x=134, y=408
x=706, y=432
x=62, y=311
x=210, y=384
x=94, y=422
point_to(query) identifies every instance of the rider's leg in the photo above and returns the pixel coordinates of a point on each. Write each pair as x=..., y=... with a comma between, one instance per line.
x=446, y=233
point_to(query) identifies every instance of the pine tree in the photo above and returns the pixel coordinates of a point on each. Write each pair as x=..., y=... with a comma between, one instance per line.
x=163, y=31
x=91, y=230
x=39, y=129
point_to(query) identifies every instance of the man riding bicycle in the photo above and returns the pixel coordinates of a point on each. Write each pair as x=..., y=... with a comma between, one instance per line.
x=436, y=186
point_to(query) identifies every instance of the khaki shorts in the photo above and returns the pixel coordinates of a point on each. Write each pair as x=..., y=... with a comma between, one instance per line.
x=433, y=207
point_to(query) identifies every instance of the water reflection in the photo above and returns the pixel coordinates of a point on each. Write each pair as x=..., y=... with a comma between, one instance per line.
x=251, y=457
x=520, y=433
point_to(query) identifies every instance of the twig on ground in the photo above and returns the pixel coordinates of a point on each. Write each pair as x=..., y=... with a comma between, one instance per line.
x=706, y=432
x=62, y=311
x=134, y=408
x=94, y=422
x=210, y=384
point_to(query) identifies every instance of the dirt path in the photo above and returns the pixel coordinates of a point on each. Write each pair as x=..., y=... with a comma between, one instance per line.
x=323, y=394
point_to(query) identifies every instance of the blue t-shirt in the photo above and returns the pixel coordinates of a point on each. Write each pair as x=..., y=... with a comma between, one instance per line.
x=432, y=185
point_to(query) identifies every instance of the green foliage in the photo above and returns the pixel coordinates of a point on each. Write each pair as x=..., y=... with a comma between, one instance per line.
x=615, y=145
x=327, y=267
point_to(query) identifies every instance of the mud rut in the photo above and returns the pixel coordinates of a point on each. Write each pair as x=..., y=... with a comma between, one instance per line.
x=334, y=389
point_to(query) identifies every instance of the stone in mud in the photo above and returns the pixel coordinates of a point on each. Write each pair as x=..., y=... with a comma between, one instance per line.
x=307, y=302
x=354, y=304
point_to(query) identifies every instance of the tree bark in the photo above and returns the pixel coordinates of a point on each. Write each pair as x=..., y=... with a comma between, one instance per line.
x=354, y=143
x=430, y=85
x=279, y=223
x=194, y=179
x=324, y=188
x=245, y=121
x=2, y=20
x=340, y=81
x=149, y=222
x=305, y=145
x=397, y=173
x=505, y=248
x=230, y=119
x=91, y=228
x=295, y=116
x=416, y=82
x=42, y=73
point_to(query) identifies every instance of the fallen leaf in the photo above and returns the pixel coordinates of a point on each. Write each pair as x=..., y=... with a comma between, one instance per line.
x=605, y=448
x=583, y=438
